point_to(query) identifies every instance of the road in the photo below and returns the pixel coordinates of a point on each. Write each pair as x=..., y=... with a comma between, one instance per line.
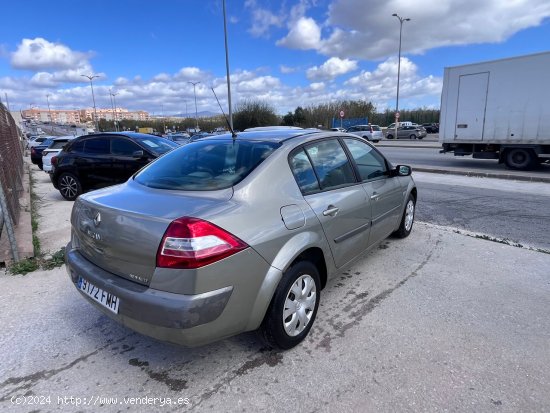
x=408, y=154
x=517, y=211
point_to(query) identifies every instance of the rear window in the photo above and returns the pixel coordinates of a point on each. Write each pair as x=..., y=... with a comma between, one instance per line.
x=375, y=128
x=206, y=165
x=58, y=144
x=157, y=145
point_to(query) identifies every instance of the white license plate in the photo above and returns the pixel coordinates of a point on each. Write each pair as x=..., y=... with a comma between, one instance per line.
x=104, y=298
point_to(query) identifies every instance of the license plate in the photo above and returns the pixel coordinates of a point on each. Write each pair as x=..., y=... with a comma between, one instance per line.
x=104, y=298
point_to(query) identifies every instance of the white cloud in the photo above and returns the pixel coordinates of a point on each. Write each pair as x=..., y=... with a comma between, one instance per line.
x=38, y=54
x=288, y=69
x=317, y=86
x=365, y=29
x=263, y=19
x=332, y=68
x=304, y=34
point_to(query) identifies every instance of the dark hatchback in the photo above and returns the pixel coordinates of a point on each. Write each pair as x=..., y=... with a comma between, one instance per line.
x=104, y=159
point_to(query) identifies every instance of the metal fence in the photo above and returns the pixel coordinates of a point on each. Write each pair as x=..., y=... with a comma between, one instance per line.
x=11, y=174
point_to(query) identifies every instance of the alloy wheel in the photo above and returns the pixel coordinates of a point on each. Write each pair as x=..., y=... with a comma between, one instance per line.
x=409, y=215
x=68, y=186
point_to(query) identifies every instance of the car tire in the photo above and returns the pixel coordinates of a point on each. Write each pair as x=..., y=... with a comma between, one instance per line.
x=390, y=136
x=407, y=220
x=520, y=159
x=421, y=137
x=299, y=287
x=69, y=186
x=413, y=136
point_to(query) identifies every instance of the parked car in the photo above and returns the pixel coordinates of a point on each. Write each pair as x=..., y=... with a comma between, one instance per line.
x=431, y=127
x=404, y=123
x=36, y=151
x=193, y=248
x=370, y=132
x=338, y=129
x=407, y=132
x=52, y=150
x=35, y=141
x=103, y=159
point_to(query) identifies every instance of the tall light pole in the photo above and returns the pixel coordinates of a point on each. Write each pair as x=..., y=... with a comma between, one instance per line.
x=91, y=77
x=401, y=20
x=113, y=106
x=196, y=115
x=49, y=112
x=227, y=69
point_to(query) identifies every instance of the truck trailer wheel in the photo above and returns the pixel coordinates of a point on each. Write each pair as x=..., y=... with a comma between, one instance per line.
x=520, y=158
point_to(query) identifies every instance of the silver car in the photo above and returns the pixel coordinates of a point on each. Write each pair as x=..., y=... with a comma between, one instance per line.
x=407, y=132
x=232, y=234
x=370, y=132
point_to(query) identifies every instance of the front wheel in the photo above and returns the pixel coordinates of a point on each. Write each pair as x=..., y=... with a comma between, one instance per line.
x=390, y=136
x=293, y=308
x=69, y=186
x=407, y=220
x=412, y=136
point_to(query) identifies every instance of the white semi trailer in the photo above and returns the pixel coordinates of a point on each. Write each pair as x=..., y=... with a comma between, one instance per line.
x=498, y=110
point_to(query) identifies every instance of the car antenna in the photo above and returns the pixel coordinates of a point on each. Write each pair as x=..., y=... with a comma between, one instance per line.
x=233, y=134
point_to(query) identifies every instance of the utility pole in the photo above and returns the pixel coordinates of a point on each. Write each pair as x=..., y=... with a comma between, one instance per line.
x=49, y=112
x=113, y=106
x=91, y=77
x=196, y=113
x=7, y=101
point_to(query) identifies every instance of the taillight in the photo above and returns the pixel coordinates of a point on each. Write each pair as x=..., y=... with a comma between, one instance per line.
x=192, y=243
x=33, y=150
x=54, y=160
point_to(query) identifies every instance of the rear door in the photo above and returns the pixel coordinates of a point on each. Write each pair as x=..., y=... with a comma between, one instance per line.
x=470, y=110
x=385, y=193
x=333, y=193
x=94, y=162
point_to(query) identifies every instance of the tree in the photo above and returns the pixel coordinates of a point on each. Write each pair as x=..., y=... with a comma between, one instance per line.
x=254, y=113
x=288, y=119
x=299, y=116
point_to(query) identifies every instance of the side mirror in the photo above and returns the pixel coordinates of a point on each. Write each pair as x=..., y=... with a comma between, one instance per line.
x=402, y=170
x=138, y=154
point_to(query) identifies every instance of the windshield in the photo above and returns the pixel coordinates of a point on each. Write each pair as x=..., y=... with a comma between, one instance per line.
x=206, y=165
x=58, y=144
x=157, y=145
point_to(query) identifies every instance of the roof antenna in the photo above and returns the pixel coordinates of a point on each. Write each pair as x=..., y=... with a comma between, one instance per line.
x=233, y=134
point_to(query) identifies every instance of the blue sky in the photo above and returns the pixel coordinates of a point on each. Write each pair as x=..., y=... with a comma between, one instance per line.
x=287, y=53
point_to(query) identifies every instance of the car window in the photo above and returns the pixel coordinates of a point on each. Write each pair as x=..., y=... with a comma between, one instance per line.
x=303, y=172
x=370, y=163
x=97, y=146
x=376, y=128
x=352, y=129
x=58, y=144
x=124, y=147
x=206, y=165
x=331, y=164
x=77, y=146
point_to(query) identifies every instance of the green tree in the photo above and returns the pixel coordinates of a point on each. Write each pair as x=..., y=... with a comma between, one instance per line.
x=288, y=119
x=254, y=113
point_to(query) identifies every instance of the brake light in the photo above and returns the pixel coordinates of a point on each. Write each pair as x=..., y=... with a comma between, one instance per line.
x=54, y=160
x=33, y=150
x=193, y=243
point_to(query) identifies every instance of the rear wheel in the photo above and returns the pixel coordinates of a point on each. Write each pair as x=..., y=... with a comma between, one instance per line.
x=69, y=186
x=390, y=136
x=293, y=308
x=407, y=220
x=413, y=136
x=520, y=158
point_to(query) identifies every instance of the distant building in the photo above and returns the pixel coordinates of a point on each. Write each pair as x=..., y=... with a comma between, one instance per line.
x=55, y=115
x=82, y=115
x=109, y=114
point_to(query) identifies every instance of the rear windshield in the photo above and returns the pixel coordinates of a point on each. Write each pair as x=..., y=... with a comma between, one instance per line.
x=58, y=144
x=206, y=165
x=157, y=145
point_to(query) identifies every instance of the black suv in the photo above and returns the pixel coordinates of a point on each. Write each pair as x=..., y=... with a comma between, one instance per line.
x=431, y=127
x=103, y=159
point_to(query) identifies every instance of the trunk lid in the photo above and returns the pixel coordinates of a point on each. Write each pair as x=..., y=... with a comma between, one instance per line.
x=120, y=228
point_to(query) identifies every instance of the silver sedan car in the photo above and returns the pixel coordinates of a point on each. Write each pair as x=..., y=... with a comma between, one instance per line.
x=236, y=233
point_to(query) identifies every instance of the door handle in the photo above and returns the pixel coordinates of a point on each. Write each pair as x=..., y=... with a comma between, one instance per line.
x=374, y=196
x=331, y=210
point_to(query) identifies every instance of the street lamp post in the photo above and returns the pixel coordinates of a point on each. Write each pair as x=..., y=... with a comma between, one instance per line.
x=196, y=115
x=227, y=70
x=91, y=77
x=401, y=20
x=113, y=105
x=49, y=112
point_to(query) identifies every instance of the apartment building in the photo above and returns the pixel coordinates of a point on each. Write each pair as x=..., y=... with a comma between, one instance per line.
x=109, y=114
x=54, y=115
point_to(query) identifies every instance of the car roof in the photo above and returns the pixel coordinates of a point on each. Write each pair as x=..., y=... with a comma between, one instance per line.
x=61, y=138
x=136, y=135
x=272, y=135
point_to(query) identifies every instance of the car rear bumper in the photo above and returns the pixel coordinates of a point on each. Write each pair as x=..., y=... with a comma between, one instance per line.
x=171, y=317
x=187, y=307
